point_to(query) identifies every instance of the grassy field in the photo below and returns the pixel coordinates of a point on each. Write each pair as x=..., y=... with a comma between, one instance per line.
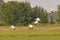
x=47, y=25
x=38, y=25
x=30, y=35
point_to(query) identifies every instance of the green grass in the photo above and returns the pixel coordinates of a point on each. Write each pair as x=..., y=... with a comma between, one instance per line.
x=31, y=38
x=30, y=35
x=38, y=25
x=47, y=25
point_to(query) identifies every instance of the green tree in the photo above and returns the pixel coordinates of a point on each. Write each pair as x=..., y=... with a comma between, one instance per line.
x=58, y=11
x=39, y=12
x=26, y=13
x=15, y=12
x=9, y=12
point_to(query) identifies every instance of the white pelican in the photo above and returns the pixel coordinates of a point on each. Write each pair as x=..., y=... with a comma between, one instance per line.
x=13, y=27
x=31, y=26
x=37, y=20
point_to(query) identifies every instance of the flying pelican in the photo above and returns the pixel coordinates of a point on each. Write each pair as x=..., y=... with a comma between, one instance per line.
x=37, y=20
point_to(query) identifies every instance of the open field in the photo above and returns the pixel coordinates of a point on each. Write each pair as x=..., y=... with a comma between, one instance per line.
x=47, y=32
x=30, y=35
x=36, y=27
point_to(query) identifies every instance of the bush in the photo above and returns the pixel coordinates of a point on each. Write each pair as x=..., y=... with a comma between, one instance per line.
x=3, y=24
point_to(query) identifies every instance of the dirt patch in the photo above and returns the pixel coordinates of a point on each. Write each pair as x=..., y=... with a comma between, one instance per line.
x=26, y=28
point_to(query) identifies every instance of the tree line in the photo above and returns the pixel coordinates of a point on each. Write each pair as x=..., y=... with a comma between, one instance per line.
x=21, y=13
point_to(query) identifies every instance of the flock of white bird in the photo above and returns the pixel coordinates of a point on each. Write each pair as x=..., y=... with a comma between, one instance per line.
x=30, y=25
x=38, y=19
x=35, y=22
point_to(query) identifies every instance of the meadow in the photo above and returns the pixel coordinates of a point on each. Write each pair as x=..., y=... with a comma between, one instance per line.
x=30, y=34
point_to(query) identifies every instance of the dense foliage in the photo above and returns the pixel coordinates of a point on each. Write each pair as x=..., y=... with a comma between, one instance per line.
x=21, y=13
